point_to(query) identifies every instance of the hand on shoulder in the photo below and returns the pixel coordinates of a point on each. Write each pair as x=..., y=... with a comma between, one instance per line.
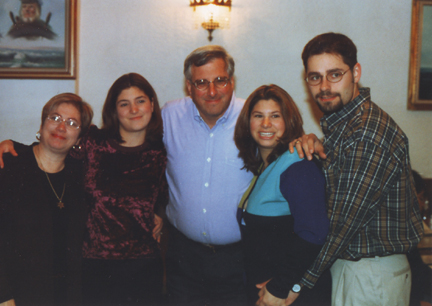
x=308, y=144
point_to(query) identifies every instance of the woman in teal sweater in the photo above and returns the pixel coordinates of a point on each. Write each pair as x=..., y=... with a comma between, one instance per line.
x=283, y=214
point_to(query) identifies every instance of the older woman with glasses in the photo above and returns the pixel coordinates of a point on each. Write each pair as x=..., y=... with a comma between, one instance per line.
x=283, y=214
x=42, y=211
x=126, y=192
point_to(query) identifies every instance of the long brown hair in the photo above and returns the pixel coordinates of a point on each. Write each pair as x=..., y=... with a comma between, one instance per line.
x=242, y=135
x=110, y=121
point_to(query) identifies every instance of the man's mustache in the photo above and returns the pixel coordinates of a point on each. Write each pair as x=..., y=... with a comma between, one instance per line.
x=327, y=94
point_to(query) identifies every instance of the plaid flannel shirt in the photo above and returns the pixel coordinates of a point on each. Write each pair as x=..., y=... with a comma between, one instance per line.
x=372, y=204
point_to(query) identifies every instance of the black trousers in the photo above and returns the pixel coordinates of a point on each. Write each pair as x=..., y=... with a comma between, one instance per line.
x=202, y=275
x=122, y=282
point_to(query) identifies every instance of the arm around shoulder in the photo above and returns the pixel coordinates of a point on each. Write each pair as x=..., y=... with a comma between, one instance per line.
x=6, y=146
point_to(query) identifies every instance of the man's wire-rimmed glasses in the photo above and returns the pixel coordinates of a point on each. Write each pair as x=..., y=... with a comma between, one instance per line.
x=334, y=76
x=219, y=82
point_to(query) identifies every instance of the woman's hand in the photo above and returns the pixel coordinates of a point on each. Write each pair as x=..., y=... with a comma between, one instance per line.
x=6, y=146
x=310, y=144
x=157, y=230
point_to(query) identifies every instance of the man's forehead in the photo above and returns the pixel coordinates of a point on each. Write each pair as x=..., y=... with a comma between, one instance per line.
x=213, y=67
x=325, y=62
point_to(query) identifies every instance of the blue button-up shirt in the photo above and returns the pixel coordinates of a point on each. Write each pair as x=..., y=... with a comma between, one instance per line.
x=204, y=172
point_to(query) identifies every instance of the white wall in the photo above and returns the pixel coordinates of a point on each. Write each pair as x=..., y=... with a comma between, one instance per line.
x=265, y=38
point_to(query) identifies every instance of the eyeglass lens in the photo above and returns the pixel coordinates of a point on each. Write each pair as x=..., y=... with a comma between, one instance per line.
x=219, y=82
x=333, y=77
x=68, y=122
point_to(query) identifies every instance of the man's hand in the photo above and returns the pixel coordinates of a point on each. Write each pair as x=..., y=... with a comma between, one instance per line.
x=266, y=298
x=6, y=146
x=310, y=144
x=8, y=303
x=157, y=230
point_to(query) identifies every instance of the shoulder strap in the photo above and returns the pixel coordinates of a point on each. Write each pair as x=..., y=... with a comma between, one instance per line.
x=245, y=197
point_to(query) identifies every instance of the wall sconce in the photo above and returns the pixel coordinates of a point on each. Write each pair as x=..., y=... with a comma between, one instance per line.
x=211, y=14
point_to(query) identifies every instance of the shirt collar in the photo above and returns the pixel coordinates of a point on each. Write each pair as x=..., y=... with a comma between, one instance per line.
x=328, y=122
x=223, y=119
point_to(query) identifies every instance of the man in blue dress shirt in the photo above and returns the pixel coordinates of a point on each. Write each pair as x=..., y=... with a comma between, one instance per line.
x=204, y=257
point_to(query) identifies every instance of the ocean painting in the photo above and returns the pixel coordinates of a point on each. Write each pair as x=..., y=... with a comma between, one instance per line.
x=31, y=58
x=34, y=38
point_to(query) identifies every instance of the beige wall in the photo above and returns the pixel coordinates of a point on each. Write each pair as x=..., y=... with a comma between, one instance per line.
x=265, y=38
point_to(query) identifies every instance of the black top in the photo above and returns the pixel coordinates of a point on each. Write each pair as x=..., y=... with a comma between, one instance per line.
x=40, y=243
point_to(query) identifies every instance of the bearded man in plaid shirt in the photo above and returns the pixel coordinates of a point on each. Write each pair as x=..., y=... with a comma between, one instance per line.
x=372, y=204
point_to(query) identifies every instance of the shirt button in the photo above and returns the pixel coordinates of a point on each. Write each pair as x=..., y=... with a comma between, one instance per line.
x=206, y=184
x=204, y=233
x=209, y=159
x=204, y=210
x=211, y=134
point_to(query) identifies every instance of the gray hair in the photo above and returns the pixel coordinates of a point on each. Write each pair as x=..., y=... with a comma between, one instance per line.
x=203, y=55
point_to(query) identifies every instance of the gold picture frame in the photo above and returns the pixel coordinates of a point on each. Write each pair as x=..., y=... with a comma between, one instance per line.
x=420, y=71
x=31, y=51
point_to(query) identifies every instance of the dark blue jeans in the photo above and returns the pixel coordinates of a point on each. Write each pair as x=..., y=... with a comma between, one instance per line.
x=199, y=275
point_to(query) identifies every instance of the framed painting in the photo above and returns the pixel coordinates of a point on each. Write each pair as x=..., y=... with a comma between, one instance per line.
x=420, y=74
x=38, y=39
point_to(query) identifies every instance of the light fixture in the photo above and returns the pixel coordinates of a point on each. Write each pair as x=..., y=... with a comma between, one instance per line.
x=211, y=14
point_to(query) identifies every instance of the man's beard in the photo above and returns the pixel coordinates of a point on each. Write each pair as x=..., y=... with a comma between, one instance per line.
x=329, y=107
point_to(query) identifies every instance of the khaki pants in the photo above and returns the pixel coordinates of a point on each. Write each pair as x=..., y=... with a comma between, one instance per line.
x=380, y=281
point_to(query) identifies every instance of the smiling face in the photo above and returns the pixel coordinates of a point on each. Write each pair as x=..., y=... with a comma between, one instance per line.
x=134, y=111
x=211, y=102
x=266, y=125
x=57, y=137
x=331, y=97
